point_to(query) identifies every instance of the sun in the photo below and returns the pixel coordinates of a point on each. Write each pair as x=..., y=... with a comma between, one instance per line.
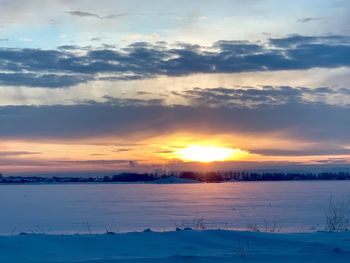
x=207, y=154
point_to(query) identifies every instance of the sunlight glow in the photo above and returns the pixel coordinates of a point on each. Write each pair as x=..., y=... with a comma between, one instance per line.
x=206, y=154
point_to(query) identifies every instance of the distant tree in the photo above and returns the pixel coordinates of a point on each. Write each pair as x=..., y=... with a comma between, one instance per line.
x=133, y=177
x=188, y=175
x=212, y=177
x=106, y=179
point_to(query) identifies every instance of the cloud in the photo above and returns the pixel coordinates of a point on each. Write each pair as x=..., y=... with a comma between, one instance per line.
x=42, y=80
x=35, y=67
x=133, y=102
x=69, y=47
x=307, y=152
x=255, y=97
x=88, y=14
x=122, y=150
x=295, y=42
x=82, y=14
x=27, y=162
x=93, y=162
x=294, y=119
x=95, y=39
x=17, y=153
x=309, y=19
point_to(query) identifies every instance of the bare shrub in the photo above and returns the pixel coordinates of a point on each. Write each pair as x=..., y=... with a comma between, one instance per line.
x=199, y=224
x=337, y=216
x=253, y=227
x=109, y=232
x=273, y=227
x=267, y=227
x=196, y=224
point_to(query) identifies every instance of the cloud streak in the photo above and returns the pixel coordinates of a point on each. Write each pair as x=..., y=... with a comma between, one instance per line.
x=309, y=19
x=17, y=153
x=83, y=14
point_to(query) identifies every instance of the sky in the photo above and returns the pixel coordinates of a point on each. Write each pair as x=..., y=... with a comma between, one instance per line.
x=106, y=86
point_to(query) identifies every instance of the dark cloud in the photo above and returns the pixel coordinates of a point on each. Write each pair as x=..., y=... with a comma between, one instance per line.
x=69, y=47
x=340, y=150
x=164, y=151
x=294, y=119
x=34, y=67
x=93, y=15
x=254, y=97
x=45, y=80
x=134, y=102
x=83, y=14
x=108, y=46
x=309, y=19
x=293, y=42
x=122, y=150
x=95, y=39
x=36, y=162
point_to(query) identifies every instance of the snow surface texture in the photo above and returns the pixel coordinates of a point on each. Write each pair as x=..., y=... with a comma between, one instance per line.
x=180, y=246
x=297, y=206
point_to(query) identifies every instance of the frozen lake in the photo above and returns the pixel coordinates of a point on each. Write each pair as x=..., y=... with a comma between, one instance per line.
x=95, y=208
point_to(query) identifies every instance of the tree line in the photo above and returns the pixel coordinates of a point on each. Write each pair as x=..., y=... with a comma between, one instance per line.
x=197, y=176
